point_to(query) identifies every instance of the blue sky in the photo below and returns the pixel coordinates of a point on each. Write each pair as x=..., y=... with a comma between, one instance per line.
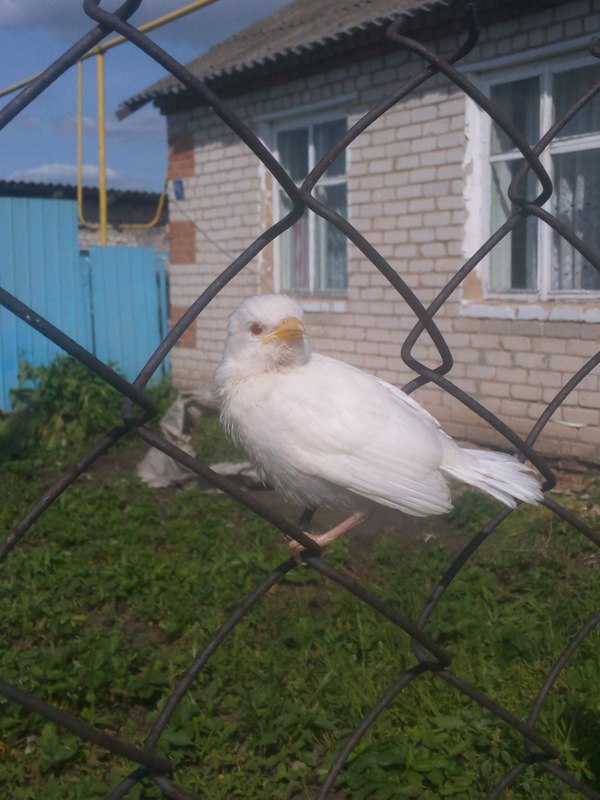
x=40, y=144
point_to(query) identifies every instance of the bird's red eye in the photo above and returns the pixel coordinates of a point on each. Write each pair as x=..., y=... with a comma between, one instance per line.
x=256, y=329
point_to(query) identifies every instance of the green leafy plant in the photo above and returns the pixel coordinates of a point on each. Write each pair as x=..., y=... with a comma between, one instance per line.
x=62, y=407
x=117, y=589
x=472, y=510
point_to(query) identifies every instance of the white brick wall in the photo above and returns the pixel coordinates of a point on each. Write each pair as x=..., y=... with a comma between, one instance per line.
x=133, y=237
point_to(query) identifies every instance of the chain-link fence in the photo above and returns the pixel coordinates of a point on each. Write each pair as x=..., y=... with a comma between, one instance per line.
x=430, y=658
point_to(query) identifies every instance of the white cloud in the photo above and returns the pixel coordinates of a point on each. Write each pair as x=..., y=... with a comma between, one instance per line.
x=201, y=29
x=60, y=16
x=88, y=124
x=66, y=173
x=64, y=16
x=32, y=122
x=145, y=122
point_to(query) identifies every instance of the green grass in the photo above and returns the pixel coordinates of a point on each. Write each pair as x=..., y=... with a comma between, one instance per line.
x=117, y=588
x=212, y=445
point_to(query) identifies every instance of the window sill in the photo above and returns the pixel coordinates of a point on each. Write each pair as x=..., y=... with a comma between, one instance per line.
x=532, y=310
x=322, y=304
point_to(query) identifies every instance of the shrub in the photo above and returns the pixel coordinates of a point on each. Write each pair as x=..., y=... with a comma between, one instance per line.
x=62, y=407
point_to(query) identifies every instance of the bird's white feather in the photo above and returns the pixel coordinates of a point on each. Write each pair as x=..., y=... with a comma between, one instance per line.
x=498, y=474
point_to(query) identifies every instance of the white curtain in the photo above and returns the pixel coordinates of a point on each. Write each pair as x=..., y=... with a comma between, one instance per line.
x=576, y=204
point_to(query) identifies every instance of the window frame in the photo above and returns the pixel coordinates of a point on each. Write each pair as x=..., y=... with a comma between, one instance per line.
x=479, y=206
x=309, y=120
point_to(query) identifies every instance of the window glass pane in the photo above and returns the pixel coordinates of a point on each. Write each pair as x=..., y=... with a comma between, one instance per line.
x=313, y=254
x=519, y=102
x=513, y=262
x=294, y=251
x=326, y=134
x=568, y=86
x=576, y=203
x=292, y=147
x=331, y=244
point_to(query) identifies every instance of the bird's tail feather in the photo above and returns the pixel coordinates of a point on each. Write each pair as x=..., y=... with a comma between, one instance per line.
x=498, y=474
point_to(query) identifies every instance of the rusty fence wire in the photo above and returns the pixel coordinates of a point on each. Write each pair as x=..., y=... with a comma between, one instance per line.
x=137, y=410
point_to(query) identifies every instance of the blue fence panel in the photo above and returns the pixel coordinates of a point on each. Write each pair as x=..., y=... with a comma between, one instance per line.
x=39, y=265
x=112, y=300
x=129, y=305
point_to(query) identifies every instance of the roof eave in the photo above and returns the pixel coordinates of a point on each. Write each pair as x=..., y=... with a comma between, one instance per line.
x=274, y=69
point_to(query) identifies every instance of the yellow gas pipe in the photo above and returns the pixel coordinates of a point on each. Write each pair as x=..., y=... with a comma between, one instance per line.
x=99, y=51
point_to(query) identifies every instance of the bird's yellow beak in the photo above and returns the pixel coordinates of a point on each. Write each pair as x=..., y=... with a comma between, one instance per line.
x=291, y=328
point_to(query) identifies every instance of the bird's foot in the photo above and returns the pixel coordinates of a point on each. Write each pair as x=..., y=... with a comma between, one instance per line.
x=323, y=539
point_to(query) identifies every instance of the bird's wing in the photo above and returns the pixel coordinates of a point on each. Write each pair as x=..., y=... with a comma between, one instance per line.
x=340, y=424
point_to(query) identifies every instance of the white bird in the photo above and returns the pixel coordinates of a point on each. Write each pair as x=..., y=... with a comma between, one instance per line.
x=323, y=432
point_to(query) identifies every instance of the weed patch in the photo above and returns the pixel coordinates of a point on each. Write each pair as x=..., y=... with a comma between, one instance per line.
x=118, y=588
x=61, y=408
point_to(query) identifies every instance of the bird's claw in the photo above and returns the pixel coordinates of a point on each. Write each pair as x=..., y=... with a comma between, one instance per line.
x=298, y=549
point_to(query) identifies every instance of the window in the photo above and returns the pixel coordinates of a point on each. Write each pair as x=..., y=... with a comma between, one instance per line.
x=534, y=258
x=312, y=255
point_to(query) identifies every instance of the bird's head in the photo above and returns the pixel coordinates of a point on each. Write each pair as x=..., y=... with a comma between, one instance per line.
x=266, y=333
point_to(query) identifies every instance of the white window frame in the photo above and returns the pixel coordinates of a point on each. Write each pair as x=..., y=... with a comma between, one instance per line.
x=308, y=120
x=517, y=303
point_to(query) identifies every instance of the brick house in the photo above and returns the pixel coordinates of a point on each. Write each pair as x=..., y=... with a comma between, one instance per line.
x=426, y=184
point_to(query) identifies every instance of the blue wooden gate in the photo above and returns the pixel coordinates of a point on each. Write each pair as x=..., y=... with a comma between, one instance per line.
x=112, y=300
x=128, y=300
x=39, y=265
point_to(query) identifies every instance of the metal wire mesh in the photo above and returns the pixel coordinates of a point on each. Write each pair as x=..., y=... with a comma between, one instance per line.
x=430, y=658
